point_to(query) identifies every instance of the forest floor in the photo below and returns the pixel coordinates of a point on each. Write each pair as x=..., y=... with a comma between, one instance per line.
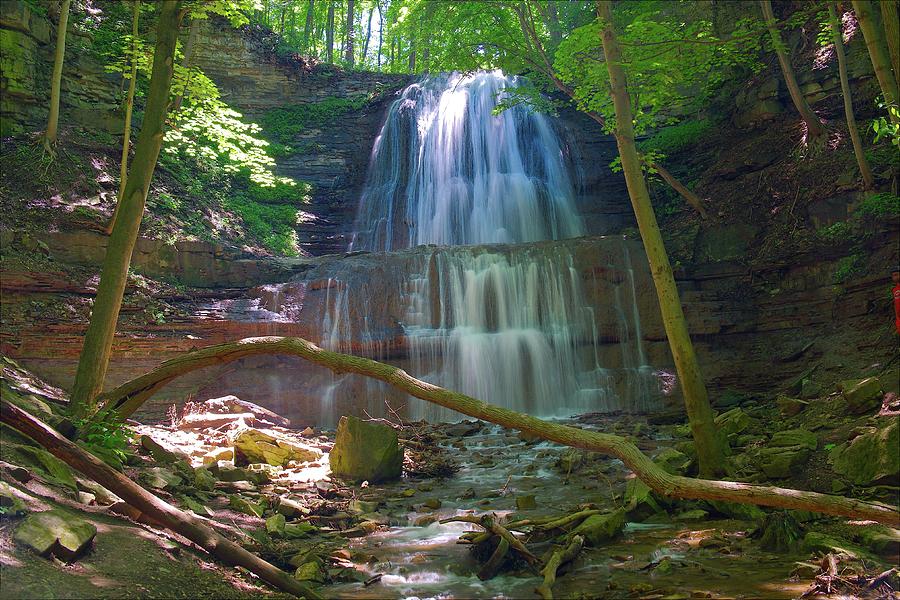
x=385, y=540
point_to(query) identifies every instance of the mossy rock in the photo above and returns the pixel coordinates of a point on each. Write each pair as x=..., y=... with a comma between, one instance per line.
x=862, y=395
x=732, y=421
x=56, y=532
x=870, y=457
x=598, y=529
x=366, y=452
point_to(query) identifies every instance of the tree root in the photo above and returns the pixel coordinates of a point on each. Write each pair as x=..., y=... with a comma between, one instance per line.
x=490, y=525
x=128, y=397
x=560, y=557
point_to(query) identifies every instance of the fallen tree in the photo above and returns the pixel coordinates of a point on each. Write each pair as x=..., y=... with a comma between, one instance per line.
x=128, y=397
x=157, y=509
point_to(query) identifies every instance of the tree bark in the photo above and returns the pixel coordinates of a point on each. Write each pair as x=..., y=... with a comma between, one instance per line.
x=50, y=135
x=838, y=38
x=891, y=21
x=172, y=518
x=814, y=127
x=696, y=401
x=307, y=29
x=351, y=27
x=689, y=196
x=878, y=52
x=98, y=339
x=329, y=34
x=128, y=397
x=129, y=106
x=368, y=38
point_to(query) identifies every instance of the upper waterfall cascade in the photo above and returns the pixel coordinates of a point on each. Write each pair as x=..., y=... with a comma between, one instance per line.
x=506, y=323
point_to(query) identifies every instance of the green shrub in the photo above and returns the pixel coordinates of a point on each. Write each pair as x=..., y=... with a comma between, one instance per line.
x=273, y=225
x=879, y=206
x=849, y=267
x=285, y=123
x=676, y=138
x=107, y=436
x=836, y=233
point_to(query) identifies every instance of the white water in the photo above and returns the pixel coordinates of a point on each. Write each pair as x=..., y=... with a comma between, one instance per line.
x=507, y=325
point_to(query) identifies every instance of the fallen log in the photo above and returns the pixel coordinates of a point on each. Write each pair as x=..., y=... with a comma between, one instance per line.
x=490, y=524
x=129, y=396
x=155, y=508
x=560, y=557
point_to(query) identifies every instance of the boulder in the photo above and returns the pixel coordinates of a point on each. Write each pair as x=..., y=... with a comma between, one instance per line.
x=254, y=446
x=527, y=502
x=794, y=437
x=159, y=452
x=218, y=454
x=672, y=461
x=366, y=451
x=640, y=501
x=790, y=407
x=598, y=529
x=11, y=504
x=786, y=452
x=732, y=421
x=862, y=395
x=161, y=478
x=870, y=457
x=56, y=532
x=216, y=412
x=275, y=525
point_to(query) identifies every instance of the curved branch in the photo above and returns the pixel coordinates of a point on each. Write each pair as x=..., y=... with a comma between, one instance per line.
x=128, y=397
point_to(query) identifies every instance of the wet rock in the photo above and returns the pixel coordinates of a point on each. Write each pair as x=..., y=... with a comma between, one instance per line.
x=881, y=539
x=254, y=446
x=734, y=510
x=298, y=530
x=816, y=541
x=366, y=451
x=463, y=428
x=640, y=501
x=570, y=461
x=526, y=502
x=56, y=532
x=732, y=421
x=862, y=395
x=598, y=529
x=432, y=503
x=425, y=520
x=870, y=457
x=161, y=478
x=790, y=407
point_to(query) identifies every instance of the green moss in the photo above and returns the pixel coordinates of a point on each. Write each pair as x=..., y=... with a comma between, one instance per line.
x=285, y=123
x=676, y=138
x=849, y=267
x=879, y=205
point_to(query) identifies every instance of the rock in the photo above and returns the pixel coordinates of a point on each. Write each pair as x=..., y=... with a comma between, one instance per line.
x=526, y=502
x=778, y=463
x=779, y=532
x=692, y=515
x=56, y=532
x=218, y=454
x=10, y=502
x=732, y=421
x=254, y=446
x=863, y=395
x=869, y=457
x=672, y=461
x=310, y=571
x=298, y=530
x=819, y=542
x=734, y=510
x=362, y=506
x=159, y=452
x=463, y=428
x=161, y=478
x=291, y=508
x=275, y=525
x=87, y=498
x=790, y=407
x=794, y=437
x=103, y=496
x=881, y=539
x=54, y=468
x=640, y=501
x=598, y=529
x=425, y=520
x=216, y=412
x=570, y=461
x=366, y=451
x=243, y=505
x=203, y=479
x=433, y=503
x=811, y=388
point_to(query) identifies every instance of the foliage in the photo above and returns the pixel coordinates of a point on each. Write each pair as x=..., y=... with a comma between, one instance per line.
x=676, y=138
x=887, y=130
x=284, y=123
x=106, y=435
x=836, y=233
x=849, y=267
x=273, y=225
x=879, y=206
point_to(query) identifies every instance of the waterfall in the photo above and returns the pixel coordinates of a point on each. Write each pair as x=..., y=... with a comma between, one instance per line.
x=483, y=308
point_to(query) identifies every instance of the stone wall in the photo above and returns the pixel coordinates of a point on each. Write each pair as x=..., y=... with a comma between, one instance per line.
x=27, y=43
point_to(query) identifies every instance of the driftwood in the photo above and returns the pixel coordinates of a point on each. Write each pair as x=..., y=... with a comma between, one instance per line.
x=560, y=557
x=490, y=525
x=128, y=397
x=155, y=508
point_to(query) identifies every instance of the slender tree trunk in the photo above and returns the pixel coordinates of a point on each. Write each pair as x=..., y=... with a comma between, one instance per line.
x=380, y=32
x=351, y=27
x=329, y=34
x=159, y=510
x=50, y=135
x=689, y=196
x=94, y=359
x=186, y=63
x=126, y=398
x=838, y=37
x=869, y=22
x=307, y=29
x=365, y=51
x=814, y=127
x=412, y=54
x=700, y=415
x=890, y=18
x=129, y=106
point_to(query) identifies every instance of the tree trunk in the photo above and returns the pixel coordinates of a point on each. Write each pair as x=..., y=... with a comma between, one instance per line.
x=329, y=34
x=129, y=396
x=814, y=127
x=380, y=32
x=56, y=80
x=689, y=196
x=700, y=415
x=307, y=29
x=838, y=38
x=129, y=106
x=351, y=27
x=98, y=340
x=891, y=21
x=412, y=54
x=368, y=38
x=172, y=518
x=874, y=35
x=186, y=63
